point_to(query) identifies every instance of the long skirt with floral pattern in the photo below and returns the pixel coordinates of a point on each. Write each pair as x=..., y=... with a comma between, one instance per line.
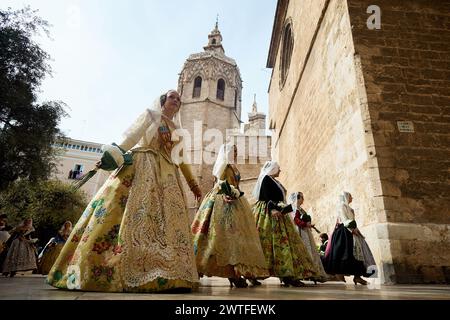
x=226, y=242
x=285, y=253
x=134, y=236
x=21, y=256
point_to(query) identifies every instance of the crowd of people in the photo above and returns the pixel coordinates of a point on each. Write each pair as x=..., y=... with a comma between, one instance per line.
x=19, y=250
x=135, y=234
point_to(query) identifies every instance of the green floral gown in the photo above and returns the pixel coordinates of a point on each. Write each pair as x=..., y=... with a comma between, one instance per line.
x=285, y=253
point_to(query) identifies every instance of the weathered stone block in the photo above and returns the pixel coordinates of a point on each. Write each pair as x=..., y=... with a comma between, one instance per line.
x=400, y=72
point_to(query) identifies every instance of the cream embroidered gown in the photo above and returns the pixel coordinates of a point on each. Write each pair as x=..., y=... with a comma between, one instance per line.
x=135, y=234
x=226, y=241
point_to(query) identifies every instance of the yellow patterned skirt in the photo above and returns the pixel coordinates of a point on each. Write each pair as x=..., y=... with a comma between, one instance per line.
x=134, y=236
x=226, y=242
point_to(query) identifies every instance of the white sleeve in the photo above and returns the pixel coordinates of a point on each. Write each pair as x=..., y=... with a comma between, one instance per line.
x=136, y=131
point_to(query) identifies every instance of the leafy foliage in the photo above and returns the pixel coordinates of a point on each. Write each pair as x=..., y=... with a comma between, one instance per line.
x=27, y=128
x=49, y=203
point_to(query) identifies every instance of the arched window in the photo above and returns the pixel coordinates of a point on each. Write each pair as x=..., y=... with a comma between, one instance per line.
x=197, y=87
x=220, y=89
x=213, y=41
x=286, y=52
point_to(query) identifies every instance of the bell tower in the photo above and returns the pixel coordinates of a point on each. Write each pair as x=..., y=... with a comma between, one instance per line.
x=210, y=85
x=215, y=40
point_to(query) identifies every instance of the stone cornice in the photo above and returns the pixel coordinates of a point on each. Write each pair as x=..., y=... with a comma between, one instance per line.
x=209, y=54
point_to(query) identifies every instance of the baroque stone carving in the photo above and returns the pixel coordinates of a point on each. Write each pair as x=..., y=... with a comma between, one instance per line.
x=211, y=67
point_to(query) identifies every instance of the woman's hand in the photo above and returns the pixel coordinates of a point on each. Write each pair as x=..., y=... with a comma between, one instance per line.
x=197, y=192
x=276, y=214
x=227, y=199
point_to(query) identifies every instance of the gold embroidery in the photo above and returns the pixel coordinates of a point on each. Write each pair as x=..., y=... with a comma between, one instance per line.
x=154, y=237
x=229, y=246
x=155, y=226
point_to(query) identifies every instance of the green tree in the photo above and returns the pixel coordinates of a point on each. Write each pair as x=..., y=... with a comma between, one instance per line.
x=27, y=128
x=49, y=203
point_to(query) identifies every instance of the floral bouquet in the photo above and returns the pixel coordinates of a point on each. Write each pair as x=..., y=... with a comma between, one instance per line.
x=284, y=208
x=113, y=157
x=230, y=190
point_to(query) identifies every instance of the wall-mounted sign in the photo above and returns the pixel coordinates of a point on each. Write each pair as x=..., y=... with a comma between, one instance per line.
x=405, y=126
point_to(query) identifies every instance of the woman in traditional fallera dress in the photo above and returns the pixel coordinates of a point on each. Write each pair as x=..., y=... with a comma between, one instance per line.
x=347, y=252
x=4, y=235
x=226, y=242
x=285, y=253
x=52, y=249
x=302, y=220
x=21, y=254
x=134, y=236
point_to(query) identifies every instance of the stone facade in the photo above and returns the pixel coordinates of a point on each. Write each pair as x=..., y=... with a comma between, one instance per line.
x=406, y=68
x=256, y=152
x=335, y=122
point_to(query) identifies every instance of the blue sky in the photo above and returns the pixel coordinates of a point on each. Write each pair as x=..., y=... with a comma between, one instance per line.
x=112, y=58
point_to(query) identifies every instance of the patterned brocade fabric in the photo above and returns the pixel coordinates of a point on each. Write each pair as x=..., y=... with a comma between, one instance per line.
x=285, y=253
x=226, y=242
x=21, y=256
x=134, y=235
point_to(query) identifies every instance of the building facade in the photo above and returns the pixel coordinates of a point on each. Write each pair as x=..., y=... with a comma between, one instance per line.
x=77, y=157
x=256, y=149
x=211, y=87
x=367, y=110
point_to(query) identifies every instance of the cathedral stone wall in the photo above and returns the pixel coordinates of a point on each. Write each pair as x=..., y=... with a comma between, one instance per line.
x=320, y=139
x=335, y=121
x=406, y=67
x=198, y=117
x=211, y=116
